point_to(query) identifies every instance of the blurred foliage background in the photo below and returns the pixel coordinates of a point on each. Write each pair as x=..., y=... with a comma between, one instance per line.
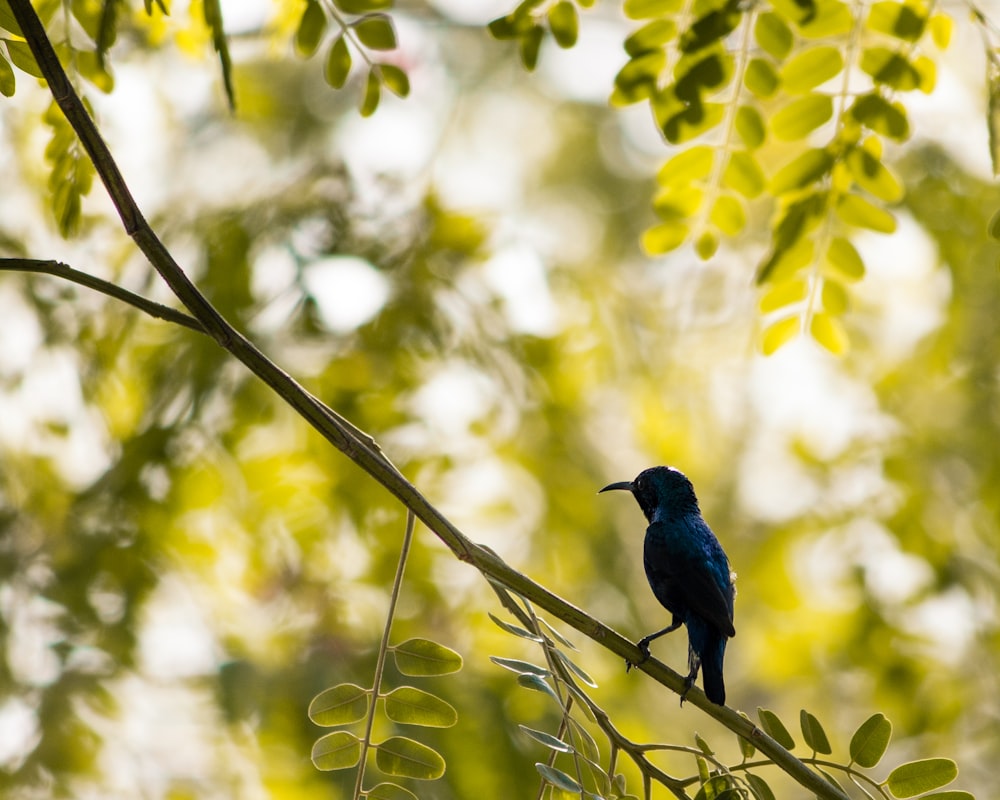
x=184, y=565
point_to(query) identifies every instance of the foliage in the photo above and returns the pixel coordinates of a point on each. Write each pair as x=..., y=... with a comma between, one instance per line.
x=203, y=497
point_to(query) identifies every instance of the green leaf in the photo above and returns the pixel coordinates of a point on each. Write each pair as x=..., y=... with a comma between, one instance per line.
x=802, y=116
x=212, y=13
x=941, y=26
x=338, y=63
x=410, y=706
x=22, y=58
x=7, y=80
x=576, y=669
x=339, y=705
x=870, y=741
x=728, y=215
x=7, y=19
x=953, y=794
x=537, y=684
x=376, y=31
x=703, y=745
x=773, y=726
x=664, y=237
x=805, y=170
x=828, y=331
x=843, y=258
x=558, y=778
x=678, y=202
x=890, y=68
x=564, y=23
x=884, y=117
x=651, y=36
x=531, y=45
x=706, y=245
x=779, y=334
x=750, y=127
x=808, y=69
x=521, y=667
x=556, y=635
x=994, y=227
x=310, y=30
x=917, y=777
x=338, y=750
x=390, y=791
x=901, y=20
x=372, y=95
x=759, y=787
x=645, y=9
x=855, y=210
x=547, y=739
x=701, y=76
x=404, y=758
x=784, y=294
x=424, y=657
x=927, y=70
x=761, y=78
x=873, y=176
x=639, y=75
x=747, y=748
x=515, y=630
x=773, y=35
x=744, y=175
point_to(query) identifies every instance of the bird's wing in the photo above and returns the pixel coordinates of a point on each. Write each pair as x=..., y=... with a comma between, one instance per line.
x=688, y=572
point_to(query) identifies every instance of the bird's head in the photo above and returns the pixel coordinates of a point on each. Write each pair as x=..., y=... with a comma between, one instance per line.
x=660, y=488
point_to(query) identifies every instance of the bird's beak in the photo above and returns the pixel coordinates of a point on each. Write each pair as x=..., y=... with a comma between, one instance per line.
x=626, y=485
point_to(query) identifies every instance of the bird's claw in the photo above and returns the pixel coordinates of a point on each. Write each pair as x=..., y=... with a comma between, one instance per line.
x=643, y=645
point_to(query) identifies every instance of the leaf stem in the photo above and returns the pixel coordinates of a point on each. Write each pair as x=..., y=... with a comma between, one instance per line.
x=383, y=649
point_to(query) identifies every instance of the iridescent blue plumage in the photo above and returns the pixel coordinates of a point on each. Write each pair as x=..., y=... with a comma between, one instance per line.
x=687, y=571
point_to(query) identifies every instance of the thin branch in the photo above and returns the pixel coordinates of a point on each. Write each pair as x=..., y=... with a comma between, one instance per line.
x=67, y=272
x=351, y=441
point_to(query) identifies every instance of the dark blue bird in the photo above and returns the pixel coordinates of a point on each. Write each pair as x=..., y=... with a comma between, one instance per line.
x=687, y=571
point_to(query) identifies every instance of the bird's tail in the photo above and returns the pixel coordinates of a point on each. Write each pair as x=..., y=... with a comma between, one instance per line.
x=711, y=670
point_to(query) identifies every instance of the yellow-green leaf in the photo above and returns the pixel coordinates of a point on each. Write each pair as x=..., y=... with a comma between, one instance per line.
x=646, y=9
x=390, y=791
x=835, y=301
x=372, y=95
x=405, y=758
x=339, y=705
x=744, y=175
x=706, y=245
x=338, y=63
x=678, y=202
x=688, y=166
x=424, y=658
x=530, y=47
x=338, y=750
x=376, y=31
x=870, y=741
x=564, y=23
x=828, y=331
x=826, y=18
x=750, y=126
x=693, y=121
x=7, y=80
x=411, y=706
x=813, y=733
x=779, y=334
x=783, y=294
x=802, y=116
x=761, y=78
x=728, y=215
x=941, y=26
x=310, y=30
x=890, y=68
x=664, y=237
x=395, y=79
x=873, y=176
x=809, y=167
x=651, y=36
x=22, y=58
x=773, y=34
x=855, y=210
x=808, y=69
x=882, y=116
x=843, y=257
x=902, y=20
x=917, y=777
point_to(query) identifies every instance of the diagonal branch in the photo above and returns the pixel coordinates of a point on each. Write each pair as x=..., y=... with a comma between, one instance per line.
x=351, y=441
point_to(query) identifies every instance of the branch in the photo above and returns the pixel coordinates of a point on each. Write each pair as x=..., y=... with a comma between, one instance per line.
x=352, y=442
x=61, y=270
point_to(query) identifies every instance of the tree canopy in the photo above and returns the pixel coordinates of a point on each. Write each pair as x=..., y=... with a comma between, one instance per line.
x=379, y=277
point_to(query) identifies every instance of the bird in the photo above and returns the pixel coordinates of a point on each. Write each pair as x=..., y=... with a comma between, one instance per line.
x=688, y=572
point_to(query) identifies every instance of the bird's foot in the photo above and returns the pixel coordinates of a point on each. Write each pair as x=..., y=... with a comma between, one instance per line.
x=643, y=645
x=688, y=683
